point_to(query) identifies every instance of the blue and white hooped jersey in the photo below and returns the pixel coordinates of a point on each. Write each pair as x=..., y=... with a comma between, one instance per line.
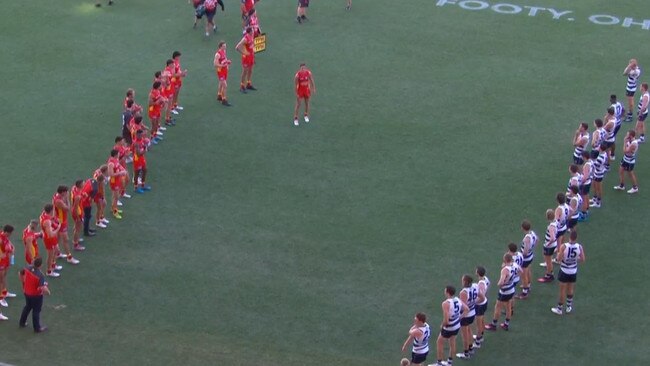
x=631, y=158
x=632, y=78
x=569, y=264
x=533, y=241
x=599, y=165
x=577, y=152
x=618, y=112
x=455, y=310
x=421, y=345
x=638, y=107
x=508, y=287
x=486, y=282
x=551, y=242
x=586, y=179
x=472, y=295
x=578, y=200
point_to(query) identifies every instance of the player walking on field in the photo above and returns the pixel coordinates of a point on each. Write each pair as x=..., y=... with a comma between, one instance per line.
x=221, y=65
x=304, y=83
x=642, y=112
x=569, y=255
x=633, y=72
x=246, y=47
x=418, y=334
x=627, y=163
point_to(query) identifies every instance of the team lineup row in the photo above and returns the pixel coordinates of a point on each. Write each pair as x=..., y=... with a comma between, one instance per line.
x=589, y=167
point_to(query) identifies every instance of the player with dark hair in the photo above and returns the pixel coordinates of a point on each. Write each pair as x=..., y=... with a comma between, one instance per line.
x=452, y=311
x=246, y=47
x=140, y=163
x=468, y=296
x=77, y=214
x=304, y=84
x=569, y=255
x=61, y=202
x=631, y=146
x=642, y=112
x=301, y=13
x=6, y=253
x=221, y=65
x=50, y=227
x=633, y=73
x=580, y=140
x=506, y=292
x=481, y=305
x=418, y=334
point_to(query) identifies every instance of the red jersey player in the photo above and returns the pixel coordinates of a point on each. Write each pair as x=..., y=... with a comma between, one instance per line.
x=100, y=197
x=140, y=163
x=177, y=79
x=304, y=82
x=50, y=227
x=156, y=103
x=221, y=65
x=254, y=23
x=30, y=240
x=116, y=174
x=61, y=204
x=247, y=6
x=76, y=212
x=247, y=49
x=6, y=252
x=124, y=154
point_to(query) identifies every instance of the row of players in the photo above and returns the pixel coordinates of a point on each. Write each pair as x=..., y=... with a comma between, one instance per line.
x=459, y=312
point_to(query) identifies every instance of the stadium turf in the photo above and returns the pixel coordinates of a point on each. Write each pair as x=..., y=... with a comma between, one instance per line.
x=435, y=130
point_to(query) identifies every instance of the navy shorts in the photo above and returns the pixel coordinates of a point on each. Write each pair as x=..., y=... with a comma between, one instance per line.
x=303, y=3
x=642, y=117
x=466, y=321
x=598, y=179
x=560, y=233
x=607, y=144
x=572, y=223
x=505, y=298
x=549, y=251
x=578, y=161
x=567, y=278
x=418, y=358
x=629, y=93
x=448, y=333
x=627, y=166
x=616, y=129
x=210, y=14
x=481, y=309
x=526, y=264
x=584, y=189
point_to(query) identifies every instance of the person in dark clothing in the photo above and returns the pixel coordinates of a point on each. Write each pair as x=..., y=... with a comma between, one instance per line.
x=34, y=287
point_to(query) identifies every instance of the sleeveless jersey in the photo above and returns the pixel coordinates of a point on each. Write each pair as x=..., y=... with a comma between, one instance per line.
x=610, y=136
x=587, y=179
x=599, y=165
x=631, y=158
x=577, y=152
x=45, y=217
x=533, y=241
x=551, y=242
x=220, y=58
x=60, y=214
x=486, y=282
x=569, y=263
x=632, y=78
x=421, y=345
x=455, y=309
x=638, y=107
x=564, y=217
x=578, y=199
x=575, y=180
x=619, y=110
x=599, y=138
x=472, y=295
x=508, y=287
x=518, y=260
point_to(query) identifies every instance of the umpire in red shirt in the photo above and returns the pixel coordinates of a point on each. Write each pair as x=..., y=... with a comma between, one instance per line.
x=34, y=287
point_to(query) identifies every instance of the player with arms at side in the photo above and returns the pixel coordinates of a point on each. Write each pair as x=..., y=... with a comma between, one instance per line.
x=61, y=203
x=642, y=112
x=506, y=292
x=6, y=252
x=481, y=305
x=619, y=111
x=627, y=163
x=561, y=215
x=468, y=296
x=301, y=13
x=177, y=79
x=609, y=139
x=585, y=187
x=633, y=72
x=575, y=203
x=569, y=255
x=452, y=311
x=100, y=198
x=550, y=245
x=304, y=83
x=116, y=174
x=600, y=159
x=246, y=47
x=527, y=249
x=418, y=334
x=140, y=163
x=580, y=140
x=221, y=65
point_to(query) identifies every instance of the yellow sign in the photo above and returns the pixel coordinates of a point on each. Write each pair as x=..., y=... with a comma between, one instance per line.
x=260, y=43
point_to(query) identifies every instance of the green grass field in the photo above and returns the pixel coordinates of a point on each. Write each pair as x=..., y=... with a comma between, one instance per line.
x=435, y=130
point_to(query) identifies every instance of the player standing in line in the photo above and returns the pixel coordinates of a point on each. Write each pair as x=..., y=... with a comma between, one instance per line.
x=580, y=140
x=304, y=84
x=518, y=261
x=140, y=163
x=100, y=197
x=619, y=111
x=123, y=154
x=418, y=334
x=528, y=253
x=575, y=203
x=587, y=175
x=50, y=229
x=627, y=163
x=301, y=13
x=633, y=72
x=88, y=193
x=576, y=177
x=61, y=204
x=168, y=93
x=221, y=65
x=6, y=253
x=598, y=136
x=569, y=255
x=600, y=158
x=452, y=311
x=349, y=5
x=30, y=240
x=561, y=215
x=177, y=79
x=468, y=296
x=116, y=174
x=246, y=47
x=610, y=136
x=481, y=305
x=642, y=112
x=156, y=102
x=550, y=245
x=77, y=214
x=506, y=292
